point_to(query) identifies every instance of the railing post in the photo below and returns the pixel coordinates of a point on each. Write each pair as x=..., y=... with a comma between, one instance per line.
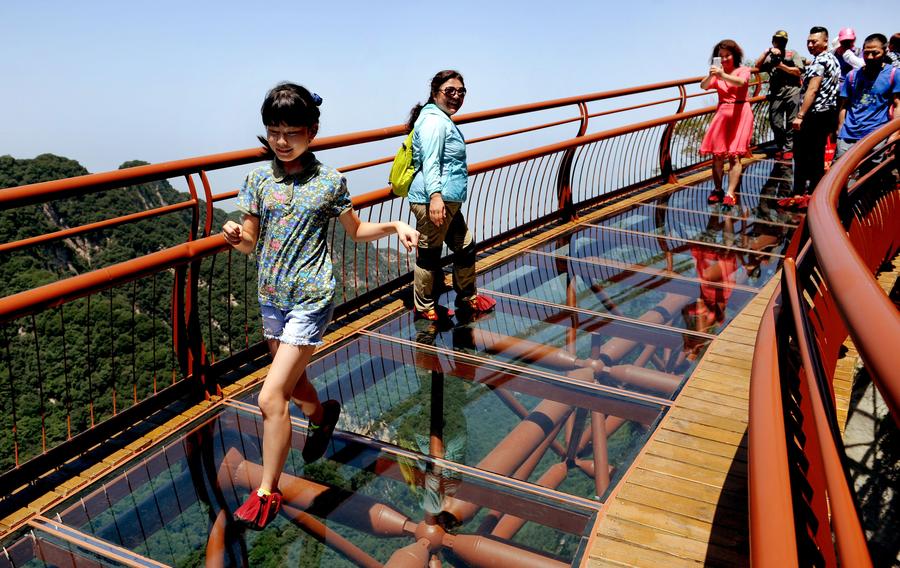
x=564, y=180
x=186, y=332
x=666, y=173
x=179, y=327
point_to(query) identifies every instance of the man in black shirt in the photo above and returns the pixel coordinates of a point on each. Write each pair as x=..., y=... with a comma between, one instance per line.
x=785, y=67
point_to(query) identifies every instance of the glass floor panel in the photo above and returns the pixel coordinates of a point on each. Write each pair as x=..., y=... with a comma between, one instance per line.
x=359, y=505
x=760, y=186
x=557, y=340
x=745, y=268
x=681, y=207
x=616, y=291
x=760, y=206
x=705, y=226
x=33, y=548
x=485, y=415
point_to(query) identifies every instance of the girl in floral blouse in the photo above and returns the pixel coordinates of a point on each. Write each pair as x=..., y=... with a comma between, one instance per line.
x=287, y=206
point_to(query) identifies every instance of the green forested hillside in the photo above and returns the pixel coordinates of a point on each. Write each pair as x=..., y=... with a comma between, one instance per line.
x=100, y=354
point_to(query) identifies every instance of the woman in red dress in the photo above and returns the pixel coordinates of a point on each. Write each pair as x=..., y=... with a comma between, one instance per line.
x=728, y=136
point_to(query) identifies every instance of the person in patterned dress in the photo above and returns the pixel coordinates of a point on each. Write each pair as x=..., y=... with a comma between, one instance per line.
x=287, y=205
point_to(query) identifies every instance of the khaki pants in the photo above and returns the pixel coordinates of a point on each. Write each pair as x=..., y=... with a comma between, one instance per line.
x=428, y=260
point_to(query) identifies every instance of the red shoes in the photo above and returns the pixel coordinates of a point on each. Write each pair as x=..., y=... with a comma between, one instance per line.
x=794, y=202
x=259, y=510
x=718, y=195
x=477, y=305
x=438, y=313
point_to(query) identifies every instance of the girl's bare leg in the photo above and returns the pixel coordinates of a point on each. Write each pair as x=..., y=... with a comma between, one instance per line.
x=303, y=391
x=286, y=377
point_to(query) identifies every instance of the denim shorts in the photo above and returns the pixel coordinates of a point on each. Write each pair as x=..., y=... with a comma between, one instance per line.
x=298, y=326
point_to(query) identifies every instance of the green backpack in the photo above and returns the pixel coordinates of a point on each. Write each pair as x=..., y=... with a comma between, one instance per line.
x=403, y=170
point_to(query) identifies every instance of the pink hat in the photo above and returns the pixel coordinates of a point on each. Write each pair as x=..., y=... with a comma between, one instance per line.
x=846, y=33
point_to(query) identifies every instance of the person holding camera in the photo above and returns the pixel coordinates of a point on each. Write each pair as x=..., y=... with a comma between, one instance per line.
x=785, y=68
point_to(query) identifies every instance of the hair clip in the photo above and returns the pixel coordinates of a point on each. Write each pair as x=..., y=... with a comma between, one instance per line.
x=316, y=99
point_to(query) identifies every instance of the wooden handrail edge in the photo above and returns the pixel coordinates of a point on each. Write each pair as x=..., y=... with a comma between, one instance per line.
x=868, y=313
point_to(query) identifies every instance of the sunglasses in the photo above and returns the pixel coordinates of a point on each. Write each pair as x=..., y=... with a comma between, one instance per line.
x=453, y=91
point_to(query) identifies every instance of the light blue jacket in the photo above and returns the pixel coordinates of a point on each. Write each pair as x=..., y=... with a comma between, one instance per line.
x=439, y=156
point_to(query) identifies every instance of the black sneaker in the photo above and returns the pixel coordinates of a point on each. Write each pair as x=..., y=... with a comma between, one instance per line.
x=319, y=435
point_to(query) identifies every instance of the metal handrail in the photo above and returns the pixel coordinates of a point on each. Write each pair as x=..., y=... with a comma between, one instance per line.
x=826, y=293
x=80, y=185
x=867, y=311
x=773, y=540
x=52, y=295
x=851, y=542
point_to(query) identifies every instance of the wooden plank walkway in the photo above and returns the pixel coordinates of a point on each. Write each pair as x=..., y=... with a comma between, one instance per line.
x=684, y=502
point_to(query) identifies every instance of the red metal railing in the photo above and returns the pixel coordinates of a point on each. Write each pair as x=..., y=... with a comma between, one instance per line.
x=802, y=507
x=509, y=194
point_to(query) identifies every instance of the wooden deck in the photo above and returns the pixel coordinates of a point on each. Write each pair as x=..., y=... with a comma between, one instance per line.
x=684, y=502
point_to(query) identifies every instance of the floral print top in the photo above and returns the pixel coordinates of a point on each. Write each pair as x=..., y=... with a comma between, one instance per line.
x=294, y=211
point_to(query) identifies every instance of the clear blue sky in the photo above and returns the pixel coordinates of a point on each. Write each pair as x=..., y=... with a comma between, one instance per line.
x=105, y=82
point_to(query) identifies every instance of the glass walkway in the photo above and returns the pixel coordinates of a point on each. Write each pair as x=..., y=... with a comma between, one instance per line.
x=488, y=441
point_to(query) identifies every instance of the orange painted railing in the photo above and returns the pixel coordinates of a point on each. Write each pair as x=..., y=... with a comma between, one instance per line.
x=802, y=506
x=509, y=194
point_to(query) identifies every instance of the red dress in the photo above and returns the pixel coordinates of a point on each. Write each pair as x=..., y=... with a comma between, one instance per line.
x=731, y=127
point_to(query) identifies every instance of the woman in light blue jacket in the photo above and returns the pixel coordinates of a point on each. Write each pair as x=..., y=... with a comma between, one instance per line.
x=436, y=195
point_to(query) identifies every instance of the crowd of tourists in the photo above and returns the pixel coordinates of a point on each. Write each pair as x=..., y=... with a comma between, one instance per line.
x=837, y=95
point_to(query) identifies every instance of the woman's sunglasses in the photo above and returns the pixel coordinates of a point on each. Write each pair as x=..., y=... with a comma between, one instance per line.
x=453, y=91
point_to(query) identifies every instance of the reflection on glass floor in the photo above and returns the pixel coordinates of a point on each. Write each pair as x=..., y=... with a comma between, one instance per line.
x=366, y=503
x=481, y=441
